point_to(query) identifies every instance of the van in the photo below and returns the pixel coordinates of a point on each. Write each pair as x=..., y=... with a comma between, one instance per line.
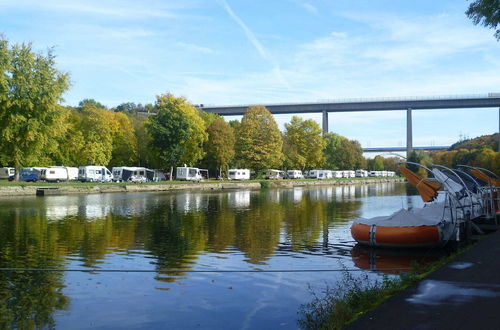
x=93, y=173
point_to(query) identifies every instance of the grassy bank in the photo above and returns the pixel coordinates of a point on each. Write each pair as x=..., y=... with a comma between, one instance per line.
x=352, y=297
x=91, y=184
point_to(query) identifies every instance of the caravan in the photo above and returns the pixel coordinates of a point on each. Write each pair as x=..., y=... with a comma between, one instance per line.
x=132, y=174
x=8, y=173
x=93, y=173
x=188, y=174
x=238, y=174
x=295, y=174
x=361, y=173
x=59, y=173
x=273, y=174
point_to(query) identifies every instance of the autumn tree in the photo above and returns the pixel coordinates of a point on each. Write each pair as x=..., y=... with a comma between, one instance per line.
x=125, y=150
x=258, y=139
x=177, y=131
x=220, y=145
x=30, y=89
x=486, y=13
x=303, y=144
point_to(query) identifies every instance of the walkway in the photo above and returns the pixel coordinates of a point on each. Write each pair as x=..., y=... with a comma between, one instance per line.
x=464, y=294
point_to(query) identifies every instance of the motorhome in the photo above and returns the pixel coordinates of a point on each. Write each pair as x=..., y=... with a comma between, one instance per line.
x=124, y=173
x=348, y=174
x=93, y=173
x=361, y=173
x=155, y=175
x=273, y=174
x=238, y=174
x=59, y=173
x=295, y=174
x=7, y=173
x=186, y=173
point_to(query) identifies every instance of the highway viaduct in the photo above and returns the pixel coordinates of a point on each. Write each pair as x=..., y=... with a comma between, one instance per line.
x=490, y=100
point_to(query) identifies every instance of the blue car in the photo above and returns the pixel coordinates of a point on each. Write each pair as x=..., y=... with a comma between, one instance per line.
x=29, y=175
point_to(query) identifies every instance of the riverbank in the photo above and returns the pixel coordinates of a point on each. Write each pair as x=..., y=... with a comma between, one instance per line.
x=30, y=189
x=462, y=294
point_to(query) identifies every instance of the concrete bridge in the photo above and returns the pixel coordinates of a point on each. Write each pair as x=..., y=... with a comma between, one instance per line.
x=491, y=100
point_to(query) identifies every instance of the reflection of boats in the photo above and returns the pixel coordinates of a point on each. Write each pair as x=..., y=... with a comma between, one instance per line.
x=392, y=261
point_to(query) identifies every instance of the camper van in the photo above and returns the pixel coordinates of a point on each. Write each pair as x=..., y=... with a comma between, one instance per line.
x=188, y=174
x=273, y=174
x=238, y=174
x=59, y=173
x=295, y=174
x=93, y=173
x=8, y=173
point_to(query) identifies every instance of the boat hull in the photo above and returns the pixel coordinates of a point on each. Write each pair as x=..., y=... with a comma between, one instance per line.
x=384, y=236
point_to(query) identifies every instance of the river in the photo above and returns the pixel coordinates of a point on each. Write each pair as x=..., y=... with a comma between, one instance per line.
x=237, y=259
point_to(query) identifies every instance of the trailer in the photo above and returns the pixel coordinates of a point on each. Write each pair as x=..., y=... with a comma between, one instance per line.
x=91, y=173
x=337, y=174
x=361, y=173
x=186, y=173
x=238, y=174
x=8, y=173
x=271, y=174
x=295, y=174
x=59, y=173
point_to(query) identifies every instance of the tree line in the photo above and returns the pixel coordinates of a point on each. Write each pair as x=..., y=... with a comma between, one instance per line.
x=36, y=130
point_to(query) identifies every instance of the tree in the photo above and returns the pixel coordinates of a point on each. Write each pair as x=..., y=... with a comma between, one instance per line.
x=90, y=103
x=486, y=13
x=124, y=150
x=258, y=139
x=30, y=90
x=378, y=163
x=342, y=154
x=303, y=144
x=177, y=131
x=220, y=144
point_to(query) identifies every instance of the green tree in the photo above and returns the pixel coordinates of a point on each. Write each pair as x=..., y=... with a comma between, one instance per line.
x=220, y=145
x=124, y=150
x=378, y=163
x=177, y=131
x=85, y=103
x=342, y=153
x=258, y=139
x=303, y=144
x=486, y=13
x=30, y=90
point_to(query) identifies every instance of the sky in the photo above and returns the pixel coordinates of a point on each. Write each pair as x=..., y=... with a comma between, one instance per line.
x=226, y=52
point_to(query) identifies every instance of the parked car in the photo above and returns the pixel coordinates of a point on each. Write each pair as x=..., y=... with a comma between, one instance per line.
x=29, y=175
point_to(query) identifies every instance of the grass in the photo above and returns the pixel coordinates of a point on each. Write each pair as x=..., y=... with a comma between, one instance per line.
x=264, y=183
x=352, y=297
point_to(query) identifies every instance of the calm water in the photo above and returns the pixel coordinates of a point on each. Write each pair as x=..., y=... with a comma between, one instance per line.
x=243, y=230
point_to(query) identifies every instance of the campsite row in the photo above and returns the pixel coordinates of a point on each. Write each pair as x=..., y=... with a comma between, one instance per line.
x=92, y=173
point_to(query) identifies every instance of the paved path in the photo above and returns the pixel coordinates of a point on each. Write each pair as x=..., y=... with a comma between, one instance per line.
x=464, y=294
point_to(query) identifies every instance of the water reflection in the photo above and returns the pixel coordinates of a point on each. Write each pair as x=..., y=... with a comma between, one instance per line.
x=297, y=228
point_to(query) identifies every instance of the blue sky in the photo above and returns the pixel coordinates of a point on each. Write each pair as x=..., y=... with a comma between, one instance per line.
x=240, y=52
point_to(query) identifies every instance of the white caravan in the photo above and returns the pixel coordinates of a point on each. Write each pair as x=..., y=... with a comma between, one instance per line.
x=361, y=173
x=348, y=174
x=325, y=174
x=59, y=173
x=375, y=173
x=295, y=174
x=188, y=174
x=337, y=174
x=7, y=173
x=391, y=173
x=273, y=174
x=93, y=173
x=313, y=174
x=238, y=174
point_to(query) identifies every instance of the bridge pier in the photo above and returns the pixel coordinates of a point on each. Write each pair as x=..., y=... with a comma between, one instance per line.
x=325, y=121
x=409, y=133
